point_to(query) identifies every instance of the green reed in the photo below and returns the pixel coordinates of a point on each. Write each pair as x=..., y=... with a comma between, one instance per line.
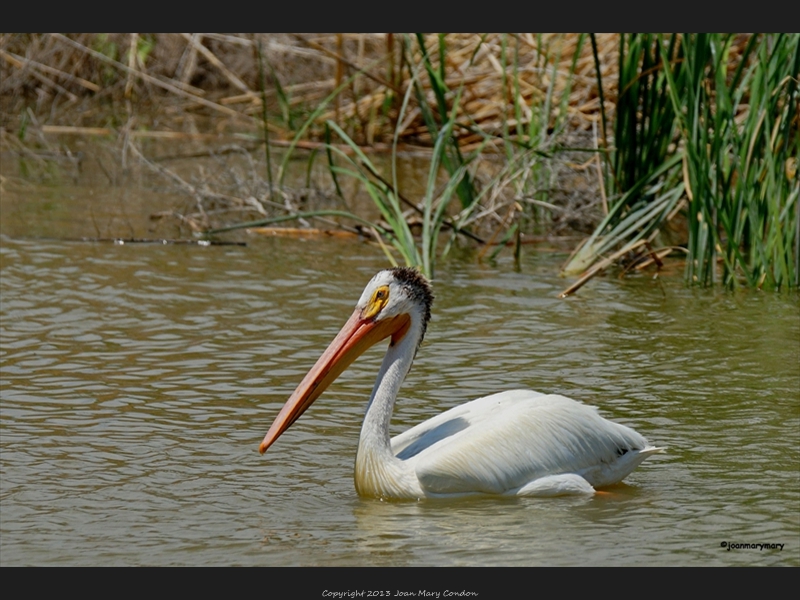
x=393, y=207
x=450, y=156
x=743, y=199
x=713, y=135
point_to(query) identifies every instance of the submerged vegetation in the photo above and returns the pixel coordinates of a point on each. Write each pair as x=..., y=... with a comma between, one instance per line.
x=661, y=147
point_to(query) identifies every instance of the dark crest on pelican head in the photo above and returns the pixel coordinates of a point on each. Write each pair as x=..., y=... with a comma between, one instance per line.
x=418, y=288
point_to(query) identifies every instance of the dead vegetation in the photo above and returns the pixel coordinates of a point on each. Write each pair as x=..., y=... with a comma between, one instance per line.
x=206, y=89
x=75, y=80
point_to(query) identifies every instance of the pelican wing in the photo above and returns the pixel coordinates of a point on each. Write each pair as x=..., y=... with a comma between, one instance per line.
x=500, y=443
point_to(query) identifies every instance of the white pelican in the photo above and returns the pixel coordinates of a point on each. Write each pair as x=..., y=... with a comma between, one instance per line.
x=514, y=443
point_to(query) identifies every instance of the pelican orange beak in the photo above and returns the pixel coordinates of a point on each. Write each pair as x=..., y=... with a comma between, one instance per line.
x=361, y=331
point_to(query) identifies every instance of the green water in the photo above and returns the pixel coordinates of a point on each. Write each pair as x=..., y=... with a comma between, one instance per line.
x=138, y=381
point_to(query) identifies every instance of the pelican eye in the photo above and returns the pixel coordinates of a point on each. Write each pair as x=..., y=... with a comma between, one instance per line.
x=379, y=299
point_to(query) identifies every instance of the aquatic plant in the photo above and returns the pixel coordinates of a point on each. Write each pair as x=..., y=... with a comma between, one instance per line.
x=697, y=150
x=710, y=135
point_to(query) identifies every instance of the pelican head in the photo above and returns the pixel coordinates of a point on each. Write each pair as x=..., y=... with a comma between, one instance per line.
x=395, y=303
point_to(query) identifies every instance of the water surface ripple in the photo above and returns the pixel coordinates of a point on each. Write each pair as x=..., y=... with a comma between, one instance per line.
x=138, y=381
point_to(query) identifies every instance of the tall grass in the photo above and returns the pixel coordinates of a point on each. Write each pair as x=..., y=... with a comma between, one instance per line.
x=451, y=198
x=713, y=139
x=743, y=198
x=450, y=155
x=433, y=207
x=524, y=147
x=703, y=140
x=416, y=251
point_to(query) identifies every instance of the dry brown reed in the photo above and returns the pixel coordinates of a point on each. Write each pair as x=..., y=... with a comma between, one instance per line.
x=143, y=86
x=78, y=79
